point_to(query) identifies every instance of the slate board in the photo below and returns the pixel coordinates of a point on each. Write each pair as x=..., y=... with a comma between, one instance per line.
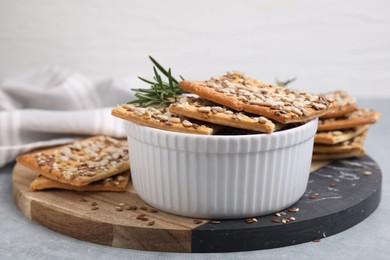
x=353, y=198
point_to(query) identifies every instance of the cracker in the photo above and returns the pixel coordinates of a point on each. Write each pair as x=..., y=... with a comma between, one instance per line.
x=356, y=143
x=114, y=183
x=205, y=110
x=81, y=162
x=350, y=148
x=347, y=103
x=242, y=93
x=334, y=156
x=357, y=118
x=161, y=118
x=338, y=136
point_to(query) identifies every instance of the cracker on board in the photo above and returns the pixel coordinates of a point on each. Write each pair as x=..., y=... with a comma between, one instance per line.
x=338, y=136
x=81, y=162
x=114, y=183
x=343, y=147
x=346, y=149
x=354, y=119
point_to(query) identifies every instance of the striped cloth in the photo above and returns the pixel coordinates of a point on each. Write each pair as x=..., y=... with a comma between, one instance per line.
x=50, y=106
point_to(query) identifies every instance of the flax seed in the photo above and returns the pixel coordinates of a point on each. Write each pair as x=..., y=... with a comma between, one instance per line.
x=250, y=220
x=293, y=210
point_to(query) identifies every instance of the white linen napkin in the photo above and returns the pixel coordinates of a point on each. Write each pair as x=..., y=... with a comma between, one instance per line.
x=51, y=105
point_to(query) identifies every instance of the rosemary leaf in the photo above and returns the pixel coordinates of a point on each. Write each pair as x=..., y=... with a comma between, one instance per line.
x=160, y=91
x=281, y=83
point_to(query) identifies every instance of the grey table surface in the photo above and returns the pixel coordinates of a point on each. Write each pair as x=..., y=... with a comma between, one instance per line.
x=21, y=238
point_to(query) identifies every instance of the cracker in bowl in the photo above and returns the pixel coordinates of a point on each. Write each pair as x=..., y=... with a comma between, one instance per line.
x=242, y=93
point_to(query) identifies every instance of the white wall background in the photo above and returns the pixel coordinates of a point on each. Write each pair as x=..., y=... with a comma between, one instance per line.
x=326, y=44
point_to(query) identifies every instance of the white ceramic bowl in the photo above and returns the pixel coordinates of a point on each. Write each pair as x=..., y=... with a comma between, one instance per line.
x=220, y=177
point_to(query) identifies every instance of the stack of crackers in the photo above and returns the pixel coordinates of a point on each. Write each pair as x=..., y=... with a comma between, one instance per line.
x=341, y=133
x=99, y=163
x=232, y=101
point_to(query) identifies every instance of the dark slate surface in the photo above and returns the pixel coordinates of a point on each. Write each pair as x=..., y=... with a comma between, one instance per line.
x=346, y=197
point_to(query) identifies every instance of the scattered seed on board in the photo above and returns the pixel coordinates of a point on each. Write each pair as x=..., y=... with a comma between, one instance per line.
x=317, y=240
x=279, y=214
x=367, y=173
x=333, y=184
x=151, y=223
x=129, y=207
x=314, y=195
x=121, y=204
x=276, y=220
x=293, y=210
x=118, y=208
x=94, y=203
x=95, y=208
x=197, y=221
x=215, y=222
x=250, y=220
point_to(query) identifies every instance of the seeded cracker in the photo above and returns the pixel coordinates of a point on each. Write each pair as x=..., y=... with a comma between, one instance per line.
x=351, y=148
x=205, y=110
x=160, y=117
x=114, y=183
x=338, y=136
x=242, y=93
x=82, y=162
x=347, y=104
x=356, y=143
x=357, y=118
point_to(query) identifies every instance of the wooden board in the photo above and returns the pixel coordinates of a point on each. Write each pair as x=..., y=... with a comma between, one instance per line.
x=346, y=197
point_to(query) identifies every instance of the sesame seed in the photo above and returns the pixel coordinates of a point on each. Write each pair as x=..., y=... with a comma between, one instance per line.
x=367, y=173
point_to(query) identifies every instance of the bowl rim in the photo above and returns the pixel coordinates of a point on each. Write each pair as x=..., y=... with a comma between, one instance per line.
x=275, y=134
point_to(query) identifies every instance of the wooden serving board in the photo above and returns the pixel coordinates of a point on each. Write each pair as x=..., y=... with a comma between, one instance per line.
x=346, y=196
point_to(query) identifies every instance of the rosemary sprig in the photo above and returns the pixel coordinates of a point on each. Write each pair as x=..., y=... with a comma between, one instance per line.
x=284, y=83
x=160, y=92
